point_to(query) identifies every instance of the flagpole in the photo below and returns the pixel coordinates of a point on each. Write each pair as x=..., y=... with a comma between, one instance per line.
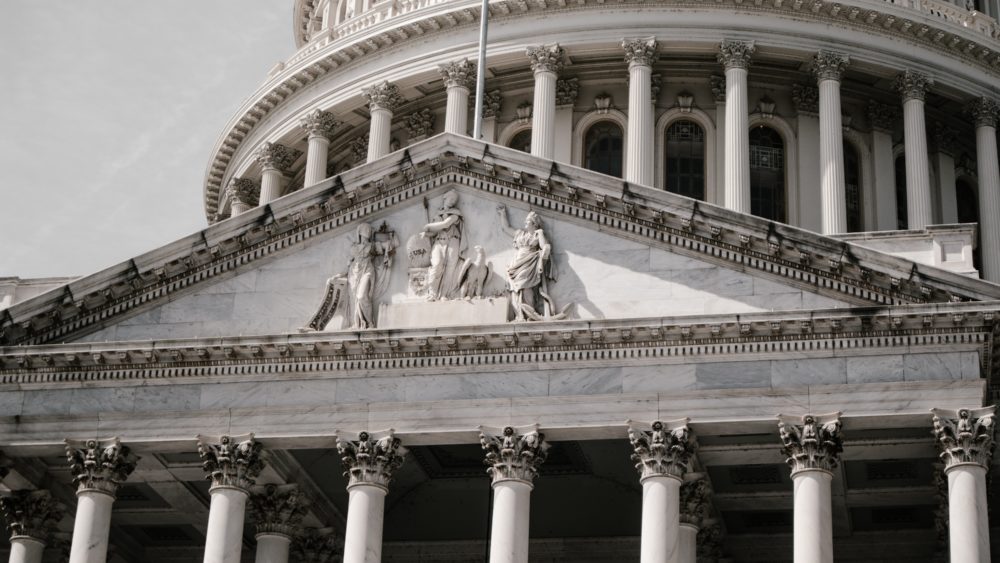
x=477, y=128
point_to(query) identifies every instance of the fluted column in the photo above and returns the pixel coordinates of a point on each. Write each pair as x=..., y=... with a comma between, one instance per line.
x=693, y=505
x=274, y=160
x=369, y=462
x=828, y=67
x=232, y=464
x=277, y=511
x=986, y=112
x=913, y=87
x=662, y=456
x=641, y=55
x=459, y=78
x=99, y=467
x=244, y=194
x=31, y=517
x=735, y=56
x=382, y=99
x=546, y=62
x=320, y=126
x=512, y=460
x=813, y=445
x=966, y=440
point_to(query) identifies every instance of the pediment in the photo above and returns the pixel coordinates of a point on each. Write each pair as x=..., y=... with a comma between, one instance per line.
x=618, y=251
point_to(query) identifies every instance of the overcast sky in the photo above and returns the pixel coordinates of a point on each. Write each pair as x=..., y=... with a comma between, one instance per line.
x=108, y=112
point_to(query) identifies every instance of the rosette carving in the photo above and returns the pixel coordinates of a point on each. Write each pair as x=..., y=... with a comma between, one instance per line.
x=99, y=465
x=319, y=123
x=665, y=449
x=371, y=460
x=546, y=58
x=383, y=96
x=736, y=54
x=459, y=74
x=811, y=441
x=829, y=65
x=32, y=514
x=913, y=85
x=276, y=156
x=231, y=461
x=965, y=435
x=512, y=456
x=277, y=509
x=694, y=501
x=985, y=112
x=644, y=52
x=244, y=190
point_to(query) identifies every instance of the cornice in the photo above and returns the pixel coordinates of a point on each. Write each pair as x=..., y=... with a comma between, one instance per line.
x=325, y=53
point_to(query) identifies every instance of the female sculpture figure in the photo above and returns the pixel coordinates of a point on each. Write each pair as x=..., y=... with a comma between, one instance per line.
x=529, y=273
x=446, y=229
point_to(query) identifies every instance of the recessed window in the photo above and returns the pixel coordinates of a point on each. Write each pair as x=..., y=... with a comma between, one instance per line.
x=685, y=159
x=521, y=141
x=767, y=174
x=852, y=189
x=603, y=148
x=902, y=220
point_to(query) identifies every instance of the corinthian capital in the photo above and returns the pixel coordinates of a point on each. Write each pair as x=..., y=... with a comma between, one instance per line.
x=277, y=509
x=32, y=514
x=383, y=96
x=567, y=91
x=319, y=123
x=371, y=459
x=985, y=112
x=492, y=102
x=276, y=156
x=317, y=545
x=99, y=465
x=736, y=54
x=882, y=116
x=965, y=435
x=643, y=52
x=663, y=450
x=231, y=461
x=461, y=74
x=913, y=85
x=546, y=58
x=829, y=65
x=811, y=441
x=244, y=190
x=694, y=501
x=805, y=98
x=512, y=456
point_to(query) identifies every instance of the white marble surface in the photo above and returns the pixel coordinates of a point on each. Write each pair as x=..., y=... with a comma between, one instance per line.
x=365, y=514
x=91, y=528
x=968, y=527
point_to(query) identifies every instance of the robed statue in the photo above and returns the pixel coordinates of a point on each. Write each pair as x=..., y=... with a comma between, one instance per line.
x=446, y=230
x=530, y=271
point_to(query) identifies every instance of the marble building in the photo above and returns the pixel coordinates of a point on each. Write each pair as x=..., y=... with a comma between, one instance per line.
x=718, y=284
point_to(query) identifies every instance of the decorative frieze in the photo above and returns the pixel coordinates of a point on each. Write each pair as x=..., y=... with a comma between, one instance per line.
x=276, y=156
x=811, y=442
x=244, y=190
x=567, y=91
x=319, y=123
x=316, y=545
x=513, y=456
x=666, y=449
x=694, y=501
x=383, y=96
x=459, y=74
x=546, y=58
x=829, y=65
x=965, y=436
x=99, y=465
x=736, y=54
x=371, y=460
x=277, y=509
x=231, y=461
x=806, y=98
x=643, y=52
x=882, y=117
x=31, y=514
x=913, y=85
x=984, y=111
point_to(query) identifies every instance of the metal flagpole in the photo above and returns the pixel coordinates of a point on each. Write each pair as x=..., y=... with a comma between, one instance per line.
x=477, y=128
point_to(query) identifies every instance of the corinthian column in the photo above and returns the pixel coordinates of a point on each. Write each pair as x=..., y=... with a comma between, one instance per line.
x=274, y=160
x=317, y=545
x=985, y=112
x=277, y=511
x=813, y=445
x=828, y=67
x=370, y=462
x=966, y=440
x=459, y=77
x=513, y=460
x=694, y=503
x=546, y=62
x=99, y=467
x=232, y=464
x=320, y=126
x=640, y=54
x=735, y=56
x=244, y=194
x=31, y=516
x=662, y=455
x=382, y=99
x=913, y=87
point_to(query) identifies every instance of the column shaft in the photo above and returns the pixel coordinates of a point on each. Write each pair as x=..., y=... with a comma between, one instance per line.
x=511, y=509
x=224, y=539
x=237, y=207
x=365, y=511
x=316, y=159
x=456, y=117
x=660, y=519
x=918, y=180
x=687, y=544
x=989, y=200
x=380, y=134
x=737, y=153
x=968, y=527
x=24, y=549
x=91, y=528
x=543, y=118
x=813, y=516
x=272, y=548
x=885, y=187
x=639, y=146
x=271, y=185
x=831, y=148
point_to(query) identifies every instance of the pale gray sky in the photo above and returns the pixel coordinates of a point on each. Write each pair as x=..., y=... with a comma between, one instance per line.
x=108, y=112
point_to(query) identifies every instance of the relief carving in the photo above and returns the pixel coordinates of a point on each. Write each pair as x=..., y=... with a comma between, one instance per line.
x=529, y=273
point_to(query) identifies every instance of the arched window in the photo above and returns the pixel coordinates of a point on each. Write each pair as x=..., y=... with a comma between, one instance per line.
x=852, y=189
x=603, y=148
x=685, y=170
x=902, y=219
x=968, y=202
x=767, y=174
x=521, y=141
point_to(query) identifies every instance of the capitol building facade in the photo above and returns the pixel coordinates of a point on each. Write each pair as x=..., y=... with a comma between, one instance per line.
x=718, y=283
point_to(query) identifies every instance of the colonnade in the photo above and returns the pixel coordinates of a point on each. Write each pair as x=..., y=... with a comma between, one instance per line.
x=674, y=499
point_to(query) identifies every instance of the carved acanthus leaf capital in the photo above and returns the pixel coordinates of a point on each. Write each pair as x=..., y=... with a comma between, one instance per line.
x=512, y=455
x=420, y=123
x=459, y=74
x=32, y=514
x=694, y=501
x=665, y=449
x=317, y=545
x=806, y=98
x=383, y=96
x=99, y=465
x=882, y=116
x=811, y=441
x=829, y=65
x=359, y=148
x=985, y=112
x=642, y=52
x=492, y=103
x=231, y=461
x=965, y=436
x=546, y=58
x=276, y=156
x=736, y=54
x=319, y=123
x=567, y=91
x=244, y=190
x=277, y=509
x=372, y=458
x=913, y=85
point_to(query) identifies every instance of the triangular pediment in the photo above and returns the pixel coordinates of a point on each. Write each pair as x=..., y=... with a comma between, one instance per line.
x=619, y=251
